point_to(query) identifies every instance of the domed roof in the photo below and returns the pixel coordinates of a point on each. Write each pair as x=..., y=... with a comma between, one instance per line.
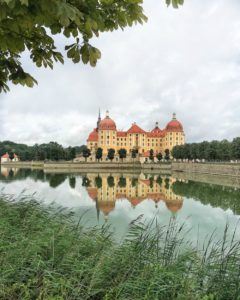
x=93, y=136
x=92, y=193
x=174, y=205
x=174, y=125
x=107, y=123
x=106, y=206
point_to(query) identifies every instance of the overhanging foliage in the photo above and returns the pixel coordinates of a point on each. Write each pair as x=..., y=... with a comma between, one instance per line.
x=33, y=25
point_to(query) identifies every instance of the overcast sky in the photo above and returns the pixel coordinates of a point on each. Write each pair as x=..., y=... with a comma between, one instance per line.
x=185, y=61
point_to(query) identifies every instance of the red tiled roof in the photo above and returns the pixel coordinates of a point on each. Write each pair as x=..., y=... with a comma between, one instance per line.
x=147, y=153
x=121, y=133
x=106, y=206
x=135, y=129
x=107, y=124
x=155, y=134
x=92, y=193
x=156, y=130
x=174, y=125
x=93, y=136
x=136, y=201
x=146, y=181
x=174, y=205
x=120, y=196
x=6, y=155
x=15, y=155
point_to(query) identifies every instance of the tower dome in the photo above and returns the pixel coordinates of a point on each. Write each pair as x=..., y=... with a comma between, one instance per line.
x=107, y=123
x=93, y=136
x=174, y=125
x=174, y=205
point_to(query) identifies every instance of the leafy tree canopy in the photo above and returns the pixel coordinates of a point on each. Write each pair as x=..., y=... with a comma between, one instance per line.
x=122, y=182
x=110, y=181
x=49, y=151
x=111, y=154
x=99, y=153
x=33, y=25
x=86, y=153
x=215, y=150
x=98, y=182
x=151, y=154
x=159, y=156
x=122, y=153
x=134, y=153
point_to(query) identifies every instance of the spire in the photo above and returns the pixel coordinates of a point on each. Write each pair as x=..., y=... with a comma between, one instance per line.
x=107, y=114
x=156, y=124
x=97, y=208
x=174, y=116
x=99, y=119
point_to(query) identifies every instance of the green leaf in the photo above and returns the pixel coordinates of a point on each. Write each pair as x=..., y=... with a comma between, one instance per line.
x=24, y=2
x=85, y=54
x=64, y=20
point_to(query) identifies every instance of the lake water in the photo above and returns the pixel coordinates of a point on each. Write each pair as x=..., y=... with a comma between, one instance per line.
x=118, y=198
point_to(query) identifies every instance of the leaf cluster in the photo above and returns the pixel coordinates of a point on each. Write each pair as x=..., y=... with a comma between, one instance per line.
x=175, y=3
x=32, y=25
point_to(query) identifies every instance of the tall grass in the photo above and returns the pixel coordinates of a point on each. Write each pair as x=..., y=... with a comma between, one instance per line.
x=46, y=254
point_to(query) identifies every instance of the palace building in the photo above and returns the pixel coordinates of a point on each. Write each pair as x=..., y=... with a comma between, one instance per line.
x=106, y=136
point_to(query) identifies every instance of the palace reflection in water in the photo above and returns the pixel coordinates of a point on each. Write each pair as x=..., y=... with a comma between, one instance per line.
x=106, y=190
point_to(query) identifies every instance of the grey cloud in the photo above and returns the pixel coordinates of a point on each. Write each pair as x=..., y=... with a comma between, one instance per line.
x=184, y=60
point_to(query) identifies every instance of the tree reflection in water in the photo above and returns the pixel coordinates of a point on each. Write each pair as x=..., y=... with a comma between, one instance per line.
x=72, y=182
x=108, y=188
x=215, y=195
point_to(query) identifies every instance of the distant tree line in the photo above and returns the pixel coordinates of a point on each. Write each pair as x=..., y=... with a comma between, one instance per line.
x=47, y=151
x=122, y=154
x=216, y=150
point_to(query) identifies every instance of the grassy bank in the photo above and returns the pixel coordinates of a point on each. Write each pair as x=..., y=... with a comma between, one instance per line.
x=46, y=254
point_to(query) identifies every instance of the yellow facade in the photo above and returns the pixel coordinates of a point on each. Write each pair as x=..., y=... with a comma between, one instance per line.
x=106, y=136
x=143, y=189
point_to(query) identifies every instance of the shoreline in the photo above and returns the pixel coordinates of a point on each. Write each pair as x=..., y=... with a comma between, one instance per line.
x=192, y=169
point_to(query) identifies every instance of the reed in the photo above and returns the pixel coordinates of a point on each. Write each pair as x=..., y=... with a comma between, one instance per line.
x=46, y=254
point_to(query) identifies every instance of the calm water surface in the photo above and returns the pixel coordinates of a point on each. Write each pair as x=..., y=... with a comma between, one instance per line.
x=120, y=198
